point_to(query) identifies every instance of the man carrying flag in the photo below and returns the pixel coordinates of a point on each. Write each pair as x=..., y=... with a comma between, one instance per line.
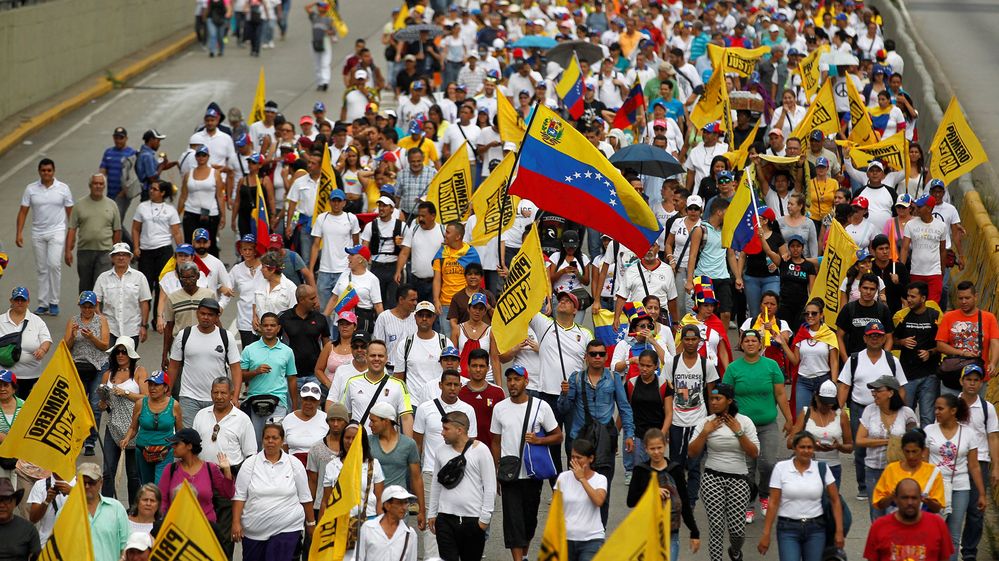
x=570, y=89
x=628, y=113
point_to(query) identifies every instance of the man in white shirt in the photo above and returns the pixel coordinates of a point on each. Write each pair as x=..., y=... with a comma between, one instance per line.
x=419, y=246
x=384, y=237
x=416, y=358
x=459, y=513
x=301, y=197
x=648, y=276
x=395, y=325
x=218, y=277
x=336, y=230
x=47, y=497
x=262, y=132
x=984, y=422
x=462, y=131
x=123, y=296
x=52, y=203
x=926, y=239
x=698, y=164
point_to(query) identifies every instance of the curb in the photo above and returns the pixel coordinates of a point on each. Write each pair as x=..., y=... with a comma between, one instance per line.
x=100, y=87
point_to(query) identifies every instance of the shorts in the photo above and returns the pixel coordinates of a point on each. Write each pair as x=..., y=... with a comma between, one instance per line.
x=723, y=293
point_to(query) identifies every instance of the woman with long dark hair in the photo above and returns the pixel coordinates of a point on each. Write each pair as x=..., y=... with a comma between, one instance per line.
x=155, y=231
x=758, y=273
x=122, y=385
x=882, y=421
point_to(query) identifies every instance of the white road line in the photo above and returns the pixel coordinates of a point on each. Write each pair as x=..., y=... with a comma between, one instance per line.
x=65, y=134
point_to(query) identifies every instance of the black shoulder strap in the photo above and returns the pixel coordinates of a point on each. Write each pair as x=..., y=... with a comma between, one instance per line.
x=985, y=414
x=523, y=431
x=407, y=346
x=854, y=359
x=183, y=342
x=374, y=398
x=641, y=275
x=225, y=348
x=440, y=407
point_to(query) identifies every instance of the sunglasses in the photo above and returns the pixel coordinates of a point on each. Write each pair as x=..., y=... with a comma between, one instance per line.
x=596, y=354
x=811, y=314
x=215, y=432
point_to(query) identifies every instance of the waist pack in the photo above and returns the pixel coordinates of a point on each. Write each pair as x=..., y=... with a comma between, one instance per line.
x=261, y=405
x=10, y=346
x=451, y=474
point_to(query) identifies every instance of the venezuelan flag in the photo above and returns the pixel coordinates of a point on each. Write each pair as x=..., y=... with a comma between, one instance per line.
x=603, y=328
x=628, y=113
x=570, y=88
x=562, y=172
x=171, y=265
x=259, y=223
x=741, y=219
x=348, y=300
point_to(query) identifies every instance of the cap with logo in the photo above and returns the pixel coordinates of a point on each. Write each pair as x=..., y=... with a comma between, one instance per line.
x=120, y=131
x=152, y=133
x=311, y=389
x=88, y=297
x=450, y=352
x=184, y=249
x=874, y=328
x=19, y=293
x=121, y=247
x=201, y=235
x=159, y=378
x=426, y=306
x=695, y=201
x=361, y=250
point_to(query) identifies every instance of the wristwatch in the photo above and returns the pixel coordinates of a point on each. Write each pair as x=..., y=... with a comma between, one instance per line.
x=740, y=433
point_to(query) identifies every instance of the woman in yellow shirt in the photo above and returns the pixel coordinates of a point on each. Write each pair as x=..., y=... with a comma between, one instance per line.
x=914, y=467
x=821, y=191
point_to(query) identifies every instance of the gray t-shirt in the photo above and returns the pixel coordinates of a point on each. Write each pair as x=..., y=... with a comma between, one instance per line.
x=395, y=464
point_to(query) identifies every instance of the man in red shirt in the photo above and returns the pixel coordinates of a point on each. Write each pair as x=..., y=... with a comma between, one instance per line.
x=910, y=534
x=968, y=332
x=480, y=394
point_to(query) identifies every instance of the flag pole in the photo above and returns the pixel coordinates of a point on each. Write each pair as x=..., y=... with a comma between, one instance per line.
x=645, y=112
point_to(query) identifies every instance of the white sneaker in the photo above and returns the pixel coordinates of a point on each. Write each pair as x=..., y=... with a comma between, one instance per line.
x=627, y=478
x=269, y=45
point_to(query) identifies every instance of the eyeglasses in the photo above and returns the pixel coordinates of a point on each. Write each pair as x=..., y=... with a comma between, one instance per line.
x=215, y=432
x=810, y=314
x=596, y=354
x=644, y=326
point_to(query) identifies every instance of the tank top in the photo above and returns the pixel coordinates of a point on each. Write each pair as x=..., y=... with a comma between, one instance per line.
x=826, y=435
x=201, y=195
x=351, y=183
x=336, y=361
x=155, y=428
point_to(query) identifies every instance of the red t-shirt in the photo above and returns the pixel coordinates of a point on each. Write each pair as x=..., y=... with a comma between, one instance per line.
x=483, y=402
x=891, y=540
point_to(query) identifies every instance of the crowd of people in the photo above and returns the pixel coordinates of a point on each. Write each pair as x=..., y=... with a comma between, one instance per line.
x=372, y=320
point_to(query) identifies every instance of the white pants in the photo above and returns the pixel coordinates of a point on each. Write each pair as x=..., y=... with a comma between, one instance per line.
x=322, y=61
x=48, y=265
x=427, y=538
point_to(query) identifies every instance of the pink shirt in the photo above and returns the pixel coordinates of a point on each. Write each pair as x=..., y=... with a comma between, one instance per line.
x=174, y=476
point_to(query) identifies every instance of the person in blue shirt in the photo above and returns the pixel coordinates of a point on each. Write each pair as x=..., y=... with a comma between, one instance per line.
x=270, y=374
x=599, y=392
x=111, y=164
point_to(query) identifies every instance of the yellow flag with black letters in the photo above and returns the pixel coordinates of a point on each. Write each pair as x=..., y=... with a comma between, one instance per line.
x=511, y=124
x=736, y=59
x=955, y=149
x=527, y=285
x=810, y=71
x=892, y=151
x=861, y=127
x=840, y=255
x=821, y=114
x=185, y=533
x=55, y=420
x=325, y=186
x=713, y=102
x=450, y=189
x=554, y=544
x=257, y=113
x=492, y=203
x=70, y=539
x=329, y=541
x=645, y=532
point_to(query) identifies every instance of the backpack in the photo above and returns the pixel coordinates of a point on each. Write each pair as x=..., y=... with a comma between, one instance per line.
x=854, y=358
x=216, y=12
x=408, y=346
x=225, y=346
x=129, y=177
x=376, y=238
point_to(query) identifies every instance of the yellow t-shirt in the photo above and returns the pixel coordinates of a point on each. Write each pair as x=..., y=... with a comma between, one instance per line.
x=894, y=473
x=820, y=197
x=427, y=147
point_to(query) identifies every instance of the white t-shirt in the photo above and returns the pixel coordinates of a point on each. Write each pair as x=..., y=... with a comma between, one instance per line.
x=569, y=281
x=855, y=288
x=258, y=131
x=48, y=204
x=337, y=233
x=423, y=245
x=277, y=491
x=508, y=420
x=428, y=423
x=377, y=476
x=422, y=366
x=680, y=236
x=407, y=109
x=689, y=408
x=384, y=253
x=369, y=291
x=39, y=491
x=486, y=136
x=924, y=245
x=203, y=360
x=800, y=493
x=573, y=344
x=301, y=435
x=355, y=101
x=303, y=193
x=863, y=233
x=723, y=451
x=453, y=137
x=339, y=379
x=948, y=213
x=983, y=427
x=245, y=282
x=881, y=202
x=814, y=357
x=951, y=455
x=867, y=372
x=156, y=220
x=659, y=281
x=582, y=517
x=699, y=161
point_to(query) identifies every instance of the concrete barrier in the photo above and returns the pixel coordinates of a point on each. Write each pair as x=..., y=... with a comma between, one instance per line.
x=48, y=47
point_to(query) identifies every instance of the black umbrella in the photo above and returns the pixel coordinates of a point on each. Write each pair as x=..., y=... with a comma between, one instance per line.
x=411, y=33
x=647, y=160
x=562, y=53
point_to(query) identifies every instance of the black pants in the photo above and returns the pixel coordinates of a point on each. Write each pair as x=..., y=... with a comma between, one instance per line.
x=90, y=264
x=247, y=338
x=252, y=31
x=521, y=499
x=192, y=221
x=386, y=280
x=24, y=386
x=460, y=538
x=151, y=262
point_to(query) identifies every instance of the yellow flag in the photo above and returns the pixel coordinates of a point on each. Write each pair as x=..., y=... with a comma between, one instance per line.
x=736, y=59
x=257, y=114
x=400, y=20
x=712, y=102
x=779, y=160
x=329, y=541
x=511, y=124
x=450, y=189
x=840, y=255
x=338, y=24
x=821, y=114
x=861, y=127
x=811, y=74
x=893, y=151
x=737, y=158
x=644, y=534
x=554, y=545
x=492, y=203
x=55, y=420
x=955, y=149
x=70, y=538
x=186, y=533
x=524, y=293
x=325, y=186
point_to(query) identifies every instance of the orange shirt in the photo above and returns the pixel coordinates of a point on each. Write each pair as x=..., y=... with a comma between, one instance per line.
x=961, y=331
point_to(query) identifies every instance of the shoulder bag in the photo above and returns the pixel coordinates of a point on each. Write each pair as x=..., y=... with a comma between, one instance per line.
x=10, y=346
x=603, y=437
x=827, y=512
x=950, y=368
x=538, y=461
x=509, y=466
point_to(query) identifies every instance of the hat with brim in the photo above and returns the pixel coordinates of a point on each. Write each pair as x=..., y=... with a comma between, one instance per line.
x=129, y=345
x=885, y=381
x=7, y=490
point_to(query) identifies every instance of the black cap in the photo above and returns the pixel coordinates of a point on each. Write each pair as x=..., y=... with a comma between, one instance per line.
x=570, y=238
x=152, y=133
x=361, y=336
x=187, y=436
x=271, y=106
x=725, y=390
x=211, y=304
x=120, y=131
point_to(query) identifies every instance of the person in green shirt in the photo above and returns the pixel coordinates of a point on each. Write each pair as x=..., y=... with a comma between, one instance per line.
x=759, y=384
x=109, y=527
x=269, y=370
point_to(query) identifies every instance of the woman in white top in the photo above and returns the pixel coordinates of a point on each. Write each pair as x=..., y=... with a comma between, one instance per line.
x=372, y=477
x=796, y=488
x=830, y=425
x=583, y=493
x=305, y=426
x=146, y=512
x=953, y=448
x=123, y=384
x=275, y=292
x=885, y=419
x=387, y=537
x=272, y=494
x=202, y=197
x=364, y=284
x=789, y=114
x=678, y=247
x=155, y=230
x=728, y=439
x=569, y=269
x=35, y=340
x=815, y=352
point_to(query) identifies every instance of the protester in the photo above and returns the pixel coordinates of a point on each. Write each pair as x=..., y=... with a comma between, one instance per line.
x=908, y=528
x=829, y=426
x=122, y=385
x=881, y=426
x=35, y=340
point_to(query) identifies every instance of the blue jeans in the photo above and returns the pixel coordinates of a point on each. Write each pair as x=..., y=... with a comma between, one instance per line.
x=959, y=507
x=445, y=324
x=283, y=20
x=679, y=439
x=859, y=452
x=805, y=389
x=584, y=551
x=871, y=476
x=923, y=392
x=674, y=546
x=975, y=519
x=754, y=289
x=215, y=34
x=324, y=286
x=799, y=540
x=636, y=456
x=258, y=423
x=305, y=235
x=111, y=455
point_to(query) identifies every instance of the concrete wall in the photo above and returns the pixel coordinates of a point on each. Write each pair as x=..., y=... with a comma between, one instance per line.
x=50, y=46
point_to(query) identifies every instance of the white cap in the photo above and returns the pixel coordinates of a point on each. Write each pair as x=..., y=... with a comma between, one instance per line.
x=311, y=389
x=498, y=43
x=121, y=247
x=139, y=541
x=361, y=74
x=695, y=200
x=396, y=492
x=386, y=200
x=423, y=306
x=827, y=389
x=774, y=28
x=385, y=410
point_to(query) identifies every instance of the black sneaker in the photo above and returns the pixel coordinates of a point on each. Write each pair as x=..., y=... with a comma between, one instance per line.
x=734, y=555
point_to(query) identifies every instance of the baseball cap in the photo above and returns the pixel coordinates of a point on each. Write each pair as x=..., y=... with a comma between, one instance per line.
x=254, y=158
x=861, y=202
x=690, y=330
x=307, y=119
x=816, y=135
x=7, y=376
x=210, y=303
x=659, y=123
x=383, y=200
x=88, y=297
x=450, y=352
x=139, y=541
x=478, y=299
x=120, y=131
x=203, y=149
x=724, y=390
x=570, y=296
x=241, y=140
x=201, y=234
x=159, y=377
x=517, y=370
x=361, y=336
x=774, y=28
x=875, y=328
x=863, y=254
x=187, y=436
x=276, y=241
x=821, y=161
x=386, y=411
x=713, y=127
x=311, y=389
x=248, y=238
x=780, y=132
x=425, y=306
x=361, y=250
x=726, y=175
x=91, y=471
x=361, y=74
x=885, y=381
x=968, y=370
x=936, y=184
x=185, y=249
x=904, y=199
x=695, y=200
x=19, y=293
x=338, y=194
x=570, y=238
x=120, y=247
x=395, y=491
x=347, y=316
x=795, y=238
x=152, y=133
x=875, y=164
x=827, y=392
x=387, y=190
x=212, y=112
x=319, y=107
x=925, y=200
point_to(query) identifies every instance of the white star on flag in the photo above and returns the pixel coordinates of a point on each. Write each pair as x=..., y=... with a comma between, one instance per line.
x=613, y=202
x=588, y=175
x=568, y=178
x=597, y=176
x=577, y=175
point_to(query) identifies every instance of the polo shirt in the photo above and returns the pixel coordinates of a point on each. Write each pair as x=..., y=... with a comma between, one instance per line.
x=280, y=358
x=278, y=490
x=109, y=530
x=305, y=336
x=800, y=492
x=358, y=392
x=111, y=162
x=235, y=437
x=96, y=222
x=303, y=192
